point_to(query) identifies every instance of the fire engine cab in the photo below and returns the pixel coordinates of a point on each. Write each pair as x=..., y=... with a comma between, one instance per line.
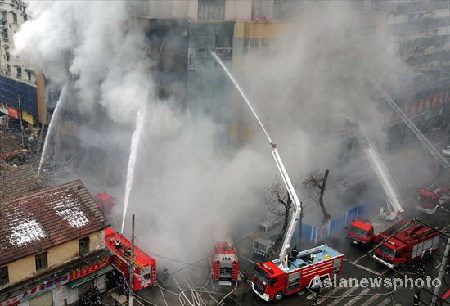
x=105, y=202
x=272, y=282
x=144, y=265
x=431, y=198
x=367, y=233
x=409, y=244
x=225, y=262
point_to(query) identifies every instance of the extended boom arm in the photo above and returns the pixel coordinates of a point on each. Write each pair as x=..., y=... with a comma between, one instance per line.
x=297, y=207
x=381, y=171
x=280, y=165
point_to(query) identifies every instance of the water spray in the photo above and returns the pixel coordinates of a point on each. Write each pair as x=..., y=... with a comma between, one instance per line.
x=381, y=171
x=51, y=128
x=132, y=161
x=241, y=91
x=281, y=168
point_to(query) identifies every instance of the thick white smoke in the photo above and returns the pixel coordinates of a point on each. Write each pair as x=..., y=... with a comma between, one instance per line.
x=96, y=43
x=183, y=187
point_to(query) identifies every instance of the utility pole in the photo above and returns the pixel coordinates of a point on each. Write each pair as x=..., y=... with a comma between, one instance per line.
x=441, y=273
x=131, y=267
x=300, y=219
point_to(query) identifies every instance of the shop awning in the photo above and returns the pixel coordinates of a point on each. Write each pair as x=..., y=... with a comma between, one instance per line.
x=90, y=277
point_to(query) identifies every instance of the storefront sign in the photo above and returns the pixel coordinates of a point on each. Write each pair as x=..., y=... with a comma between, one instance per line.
x=52, y=284
x=38, y=290
x=84, y=271
x=14, y=113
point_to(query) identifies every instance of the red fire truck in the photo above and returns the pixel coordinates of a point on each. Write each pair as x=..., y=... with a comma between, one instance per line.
x=224, y=261
x=144, y=265
x=272, y=282
x=105, y=202
x=431, y=198
x=409, y=244
x=367, y=233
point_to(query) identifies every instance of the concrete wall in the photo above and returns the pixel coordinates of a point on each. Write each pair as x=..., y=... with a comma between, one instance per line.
x=238, y=10
x=188, y=9
x=26, y=267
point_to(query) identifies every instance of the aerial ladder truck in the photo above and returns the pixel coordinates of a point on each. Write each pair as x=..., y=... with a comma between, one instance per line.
x=367, y=232
x=293, y=271
x=395, y=244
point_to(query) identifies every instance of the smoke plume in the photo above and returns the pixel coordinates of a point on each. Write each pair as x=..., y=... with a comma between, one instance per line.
x=183, y=187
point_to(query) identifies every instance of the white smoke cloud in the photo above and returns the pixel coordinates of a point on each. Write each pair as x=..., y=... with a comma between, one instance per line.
x=183, y=187
x=100, y=47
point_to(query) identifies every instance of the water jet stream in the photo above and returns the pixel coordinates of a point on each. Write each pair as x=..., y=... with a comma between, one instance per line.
x=132, y=161
x=51, y=128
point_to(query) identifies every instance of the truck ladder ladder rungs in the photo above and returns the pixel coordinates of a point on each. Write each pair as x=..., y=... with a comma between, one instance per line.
x=297, y=208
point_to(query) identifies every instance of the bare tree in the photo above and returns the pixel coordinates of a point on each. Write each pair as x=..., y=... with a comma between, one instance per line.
x=318, y=184
x=279, y=203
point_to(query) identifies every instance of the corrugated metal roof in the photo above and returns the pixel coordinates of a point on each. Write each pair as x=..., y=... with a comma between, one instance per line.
x=49, y=217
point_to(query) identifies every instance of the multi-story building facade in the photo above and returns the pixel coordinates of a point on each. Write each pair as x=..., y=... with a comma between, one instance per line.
x=421, y=34
x=52, y=247
x=229, y=28
x=420, y=31
x=22, y=85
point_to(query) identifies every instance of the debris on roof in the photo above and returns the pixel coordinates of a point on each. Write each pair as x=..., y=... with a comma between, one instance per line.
x=35, y=222
x=25, y=231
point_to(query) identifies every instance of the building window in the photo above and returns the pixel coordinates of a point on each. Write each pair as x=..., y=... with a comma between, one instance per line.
x=283, y=8
x=211, y=9
x=14, y=17
x=30, y=75
x=8, y=69
x=8, y=57
x=3, y=18
x=201, y=53
x=223, y=46
x=4, y=277
x=84, y=246
x=41, y=261
x=5, y=34
x=18, y=72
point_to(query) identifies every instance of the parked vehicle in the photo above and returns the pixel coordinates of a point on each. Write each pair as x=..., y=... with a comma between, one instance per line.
x=432, y=197
x=409, y=244
x=224, y=262
x=367, y=233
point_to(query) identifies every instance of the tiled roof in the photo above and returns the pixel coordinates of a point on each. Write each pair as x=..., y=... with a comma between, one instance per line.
x=9, y=143
x=36, y=222
x=16, y=182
